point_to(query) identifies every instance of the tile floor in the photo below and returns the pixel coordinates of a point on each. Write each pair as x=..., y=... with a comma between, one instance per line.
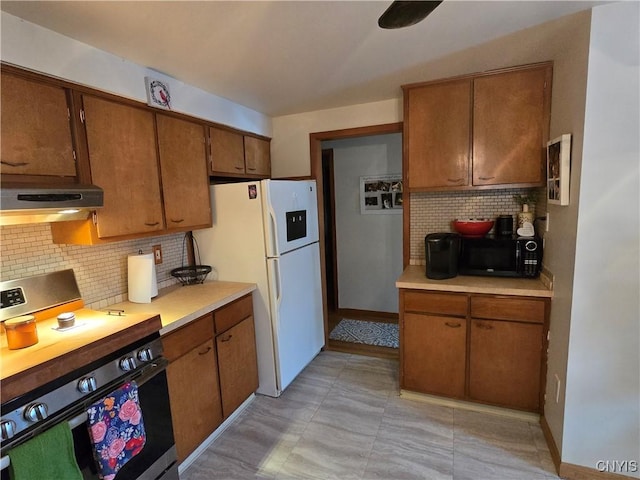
x=342, y=419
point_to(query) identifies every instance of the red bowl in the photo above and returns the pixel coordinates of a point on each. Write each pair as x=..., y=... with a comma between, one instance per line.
x=473, y=228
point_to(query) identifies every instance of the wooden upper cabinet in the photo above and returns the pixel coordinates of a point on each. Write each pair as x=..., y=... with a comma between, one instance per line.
x=35, y=129
x=227, y=151
x=437, y=134
x=122, y=154
x=257, y=156
x=183, y=167
x=237, y=155
x=479, y=131
x=510, y=127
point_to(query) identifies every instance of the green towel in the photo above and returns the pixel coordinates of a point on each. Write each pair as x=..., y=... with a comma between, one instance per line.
x=47, y=456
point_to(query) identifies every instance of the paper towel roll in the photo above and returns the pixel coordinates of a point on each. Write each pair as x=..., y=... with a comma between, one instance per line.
x=143, y=285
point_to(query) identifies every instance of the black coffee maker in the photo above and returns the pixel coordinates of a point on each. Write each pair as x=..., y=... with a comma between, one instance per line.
x=504, y=226
x=442, y=251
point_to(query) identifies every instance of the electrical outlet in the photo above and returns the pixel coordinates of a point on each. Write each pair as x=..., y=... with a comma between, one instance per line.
x=157, y=254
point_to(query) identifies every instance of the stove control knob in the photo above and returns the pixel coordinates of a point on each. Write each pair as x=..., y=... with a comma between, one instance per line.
x=145, y=355
x=127, y=364
x=87, y=385
x=7, y=429
x=35, y=412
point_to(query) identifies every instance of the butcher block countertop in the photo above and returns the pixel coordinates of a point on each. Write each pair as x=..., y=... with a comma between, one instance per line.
x=57, y=353
x=414, y=277
x=178, y=305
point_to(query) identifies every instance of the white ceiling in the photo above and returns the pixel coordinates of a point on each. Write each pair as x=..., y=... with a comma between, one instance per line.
x=282, y=57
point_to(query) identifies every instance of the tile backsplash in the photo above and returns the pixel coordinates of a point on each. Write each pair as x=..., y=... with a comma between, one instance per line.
x=100, y=270
x=433, y=211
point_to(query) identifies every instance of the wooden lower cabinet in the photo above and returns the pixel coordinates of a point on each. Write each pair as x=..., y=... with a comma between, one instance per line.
x=485, y=348
x=195, y=397
x=237, y=362
x=434, y=349
x=194, y=389
x=504, y=363
x=212, y=370
x=237, y=357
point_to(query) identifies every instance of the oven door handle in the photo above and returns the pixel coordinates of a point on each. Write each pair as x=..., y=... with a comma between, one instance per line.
x=140, y=376
x=73, y=423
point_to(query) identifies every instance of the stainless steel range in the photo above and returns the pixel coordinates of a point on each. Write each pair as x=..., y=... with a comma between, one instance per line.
x=86, y=366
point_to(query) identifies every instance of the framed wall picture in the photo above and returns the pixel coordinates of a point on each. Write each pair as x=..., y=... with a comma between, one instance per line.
x=157, y=93
x=381, y=194
x=559, y=169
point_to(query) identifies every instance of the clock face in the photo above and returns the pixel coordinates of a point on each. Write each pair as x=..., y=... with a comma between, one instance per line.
x=158, y=94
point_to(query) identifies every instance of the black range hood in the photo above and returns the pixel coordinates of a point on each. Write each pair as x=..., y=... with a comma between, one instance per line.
x=29, y=203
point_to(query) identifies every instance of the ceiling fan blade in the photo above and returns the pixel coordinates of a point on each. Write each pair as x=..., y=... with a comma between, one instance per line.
x=405, y=13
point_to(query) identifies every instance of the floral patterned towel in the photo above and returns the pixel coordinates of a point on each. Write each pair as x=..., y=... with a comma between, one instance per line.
x=116, y=429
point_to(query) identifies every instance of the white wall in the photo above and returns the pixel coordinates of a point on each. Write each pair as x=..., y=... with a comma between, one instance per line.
x=30, y=46
x=290, y=144
x=602, y=410
x=369, y=247
x=565, y=41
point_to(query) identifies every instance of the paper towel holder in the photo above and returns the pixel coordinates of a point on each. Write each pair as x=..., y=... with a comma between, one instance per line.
x=142, y=279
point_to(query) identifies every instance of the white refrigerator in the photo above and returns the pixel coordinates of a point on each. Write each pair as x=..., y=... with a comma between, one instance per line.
x=266, y=232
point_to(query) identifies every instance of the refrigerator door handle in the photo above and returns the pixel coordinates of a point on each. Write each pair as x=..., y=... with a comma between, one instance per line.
x=272, y=249
x=278, y=282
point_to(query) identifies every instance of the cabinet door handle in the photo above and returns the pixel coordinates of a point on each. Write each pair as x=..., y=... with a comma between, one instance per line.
x=207, y=350
x=226, y=339
x=453, y=325
x=486, y=178
x=14, y=164
x=148, y=224
x=455, y=180
x=250, y=168
x=177, y=221
x=484, y=326
x=239, y=168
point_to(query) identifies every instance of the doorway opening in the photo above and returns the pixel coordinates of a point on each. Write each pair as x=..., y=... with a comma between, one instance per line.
x=351, y=322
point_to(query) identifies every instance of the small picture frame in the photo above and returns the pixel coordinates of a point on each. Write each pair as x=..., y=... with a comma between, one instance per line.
x=381, y=194
x=158, y=94
x=559, y=169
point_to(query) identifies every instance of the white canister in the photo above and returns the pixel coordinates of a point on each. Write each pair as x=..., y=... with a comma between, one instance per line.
x=143, y=285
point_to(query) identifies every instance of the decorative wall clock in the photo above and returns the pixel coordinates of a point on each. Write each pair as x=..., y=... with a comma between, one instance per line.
x=158, y=93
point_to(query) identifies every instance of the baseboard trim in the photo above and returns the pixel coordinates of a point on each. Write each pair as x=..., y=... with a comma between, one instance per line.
x=371, y=315
x=475, y=407
x=577, y=472
x=217, y=432
x=551, y=443
x=570, y=471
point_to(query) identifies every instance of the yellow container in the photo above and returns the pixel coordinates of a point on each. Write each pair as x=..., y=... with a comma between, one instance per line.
x=21, y=332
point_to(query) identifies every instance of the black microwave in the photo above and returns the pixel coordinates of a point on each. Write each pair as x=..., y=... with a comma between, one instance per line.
x=510, y=256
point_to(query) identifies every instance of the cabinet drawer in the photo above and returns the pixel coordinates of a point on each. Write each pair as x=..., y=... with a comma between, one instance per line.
x=231, y=314
x=188, y=337
x=442, y=303
x=500, y=308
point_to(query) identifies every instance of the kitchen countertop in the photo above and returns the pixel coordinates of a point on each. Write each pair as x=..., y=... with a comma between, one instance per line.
x=414, y=277
x=98, y=334
x=178, y=305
